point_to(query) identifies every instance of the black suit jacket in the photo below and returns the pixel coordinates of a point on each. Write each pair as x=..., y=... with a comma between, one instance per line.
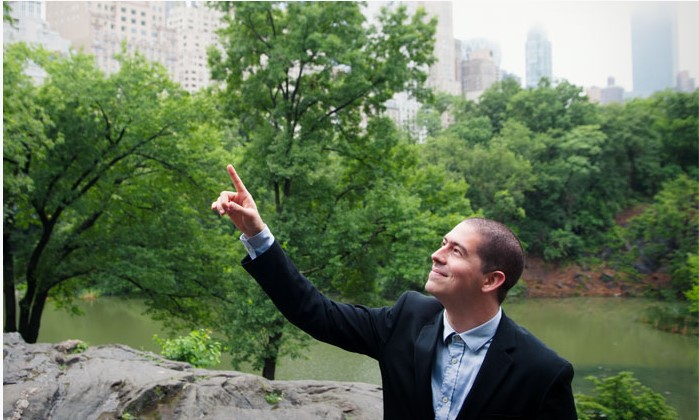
x=520, y=377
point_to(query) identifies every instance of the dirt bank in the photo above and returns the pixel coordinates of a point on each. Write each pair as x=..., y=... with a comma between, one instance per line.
x=545, y=279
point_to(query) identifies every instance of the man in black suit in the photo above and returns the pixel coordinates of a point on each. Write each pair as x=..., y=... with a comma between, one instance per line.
x=452, y=355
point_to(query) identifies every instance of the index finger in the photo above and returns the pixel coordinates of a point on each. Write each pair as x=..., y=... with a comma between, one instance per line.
x=237, y=182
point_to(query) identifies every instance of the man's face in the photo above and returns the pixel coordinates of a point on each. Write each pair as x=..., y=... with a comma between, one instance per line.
x=456, y=267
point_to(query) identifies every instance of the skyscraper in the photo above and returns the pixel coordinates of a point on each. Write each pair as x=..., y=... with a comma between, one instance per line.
x=195, y=27
x=443, y=72
x=653, y=47
x=537, y=56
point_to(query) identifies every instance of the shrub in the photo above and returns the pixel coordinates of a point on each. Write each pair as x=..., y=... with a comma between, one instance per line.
x=623, y=397
x=197, y=349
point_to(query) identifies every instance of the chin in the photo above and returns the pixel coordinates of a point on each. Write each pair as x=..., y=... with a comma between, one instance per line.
x=430, y=287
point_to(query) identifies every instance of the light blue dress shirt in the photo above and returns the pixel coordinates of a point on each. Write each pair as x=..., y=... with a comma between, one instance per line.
x=459, y=358
x=258, y=244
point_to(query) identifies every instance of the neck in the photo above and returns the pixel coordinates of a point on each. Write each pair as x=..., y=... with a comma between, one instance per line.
x=466, y=318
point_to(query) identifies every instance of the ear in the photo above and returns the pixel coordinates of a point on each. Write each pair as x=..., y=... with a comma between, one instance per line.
x=493, y=280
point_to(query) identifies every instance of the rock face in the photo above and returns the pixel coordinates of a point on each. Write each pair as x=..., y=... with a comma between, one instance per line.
x=58, y=381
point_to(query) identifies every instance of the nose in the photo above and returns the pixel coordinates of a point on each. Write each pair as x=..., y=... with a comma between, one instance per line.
x=438, y=255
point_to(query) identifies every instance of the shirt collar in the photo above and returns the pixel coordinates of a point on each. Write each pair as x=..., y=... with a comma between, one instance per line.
x=474, y=338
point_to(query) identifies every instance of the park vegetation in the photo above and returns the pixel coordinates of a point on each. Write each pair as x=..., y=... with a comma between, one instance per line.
x=108, y=179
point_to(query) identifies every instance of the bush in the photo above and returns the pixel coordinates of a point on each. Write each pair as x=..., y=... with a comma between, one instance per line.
x=623, y=397
x=197, y=349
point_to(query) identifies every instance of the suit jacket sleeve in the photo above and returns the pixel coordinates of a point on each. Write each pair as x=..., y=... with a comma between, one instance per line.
x=354, y=328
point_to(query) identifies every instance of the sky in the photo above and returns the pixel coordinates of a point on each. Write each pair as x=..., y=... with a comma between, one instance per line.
x=590, y=40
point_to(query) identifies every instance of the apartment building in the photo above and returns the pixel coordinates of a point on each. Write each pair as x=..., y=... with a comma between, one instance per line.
x=175, y=34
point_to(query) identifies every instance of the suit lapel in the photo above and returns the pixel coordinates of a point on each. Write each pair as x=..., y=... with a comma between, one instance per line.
x=495, y=366
x=424, y=359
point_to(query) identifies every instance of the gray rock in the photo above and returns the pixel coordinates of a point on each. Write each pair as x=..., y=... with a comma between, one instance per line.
x=56, y=381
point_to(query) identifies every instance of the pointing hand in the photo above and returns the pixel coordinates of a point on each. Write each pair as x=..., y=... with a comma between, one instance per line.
x=239, y=206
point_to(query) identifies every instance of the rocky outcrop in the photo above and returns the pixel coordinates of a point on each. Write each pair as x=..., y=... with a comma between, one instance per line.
x=65, y=381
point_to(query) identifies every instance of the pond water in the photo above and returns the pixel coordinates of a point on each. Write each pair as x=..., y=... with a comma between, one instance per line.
x=598, y=335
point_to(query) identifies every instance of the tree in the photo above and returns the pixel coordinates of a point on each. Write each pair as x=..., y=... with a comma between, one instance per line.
x=305, y=83
x=631, y=155
x=94, y=169
x=678, y=125
x=551, y=108
x=666, y=234
x=494, y=101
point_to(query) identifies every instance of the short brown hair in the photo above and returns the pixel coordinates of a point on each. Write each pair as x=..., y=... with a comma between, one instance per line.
x=499, y=250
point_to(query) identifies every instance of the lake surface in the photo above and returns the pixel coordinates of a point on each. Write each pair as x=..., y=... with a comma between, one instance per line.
x=598, y=335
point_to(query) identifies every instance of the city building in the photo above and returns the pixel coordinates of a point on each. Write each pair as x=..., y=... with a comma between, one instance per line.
x=594, y=94
x=30, y=28
x=103, y=28
x=611, y=93
x=684, y=82
x=195, y=28
x=466, y=46
x=653, y=47
x=175, y=34
x=479, y=72
x=537, y=56
x=443, y=75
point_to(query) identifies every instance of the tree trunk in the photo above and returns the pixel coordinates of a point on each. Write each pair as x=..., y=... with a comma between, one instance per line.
x=269, y=369
x=270, y=362
x=8, y=286
x=30, y=316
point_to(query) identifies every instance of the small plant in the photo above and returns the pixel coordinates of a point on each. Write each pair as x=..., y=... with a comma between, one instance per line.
x=79, y=348
x=274, y=397
x=197, y=349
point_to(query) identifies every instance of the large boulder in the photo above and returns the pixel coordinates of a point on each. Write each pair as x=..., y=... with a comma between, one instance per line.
x=61, y=381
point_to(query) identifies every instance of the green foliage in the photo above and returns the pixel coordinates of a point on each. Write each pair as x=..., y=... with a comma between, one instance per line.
x=105, y=182
x=80, y=347
x=273, y=397
x=6, y=13
x=622, y=397
x=666, y=234
x=691, y=269
x=198, y=349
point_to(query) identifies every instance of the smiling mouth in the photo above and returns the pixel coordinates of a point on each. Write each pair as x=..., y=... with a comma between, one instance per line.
x=438, y=272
